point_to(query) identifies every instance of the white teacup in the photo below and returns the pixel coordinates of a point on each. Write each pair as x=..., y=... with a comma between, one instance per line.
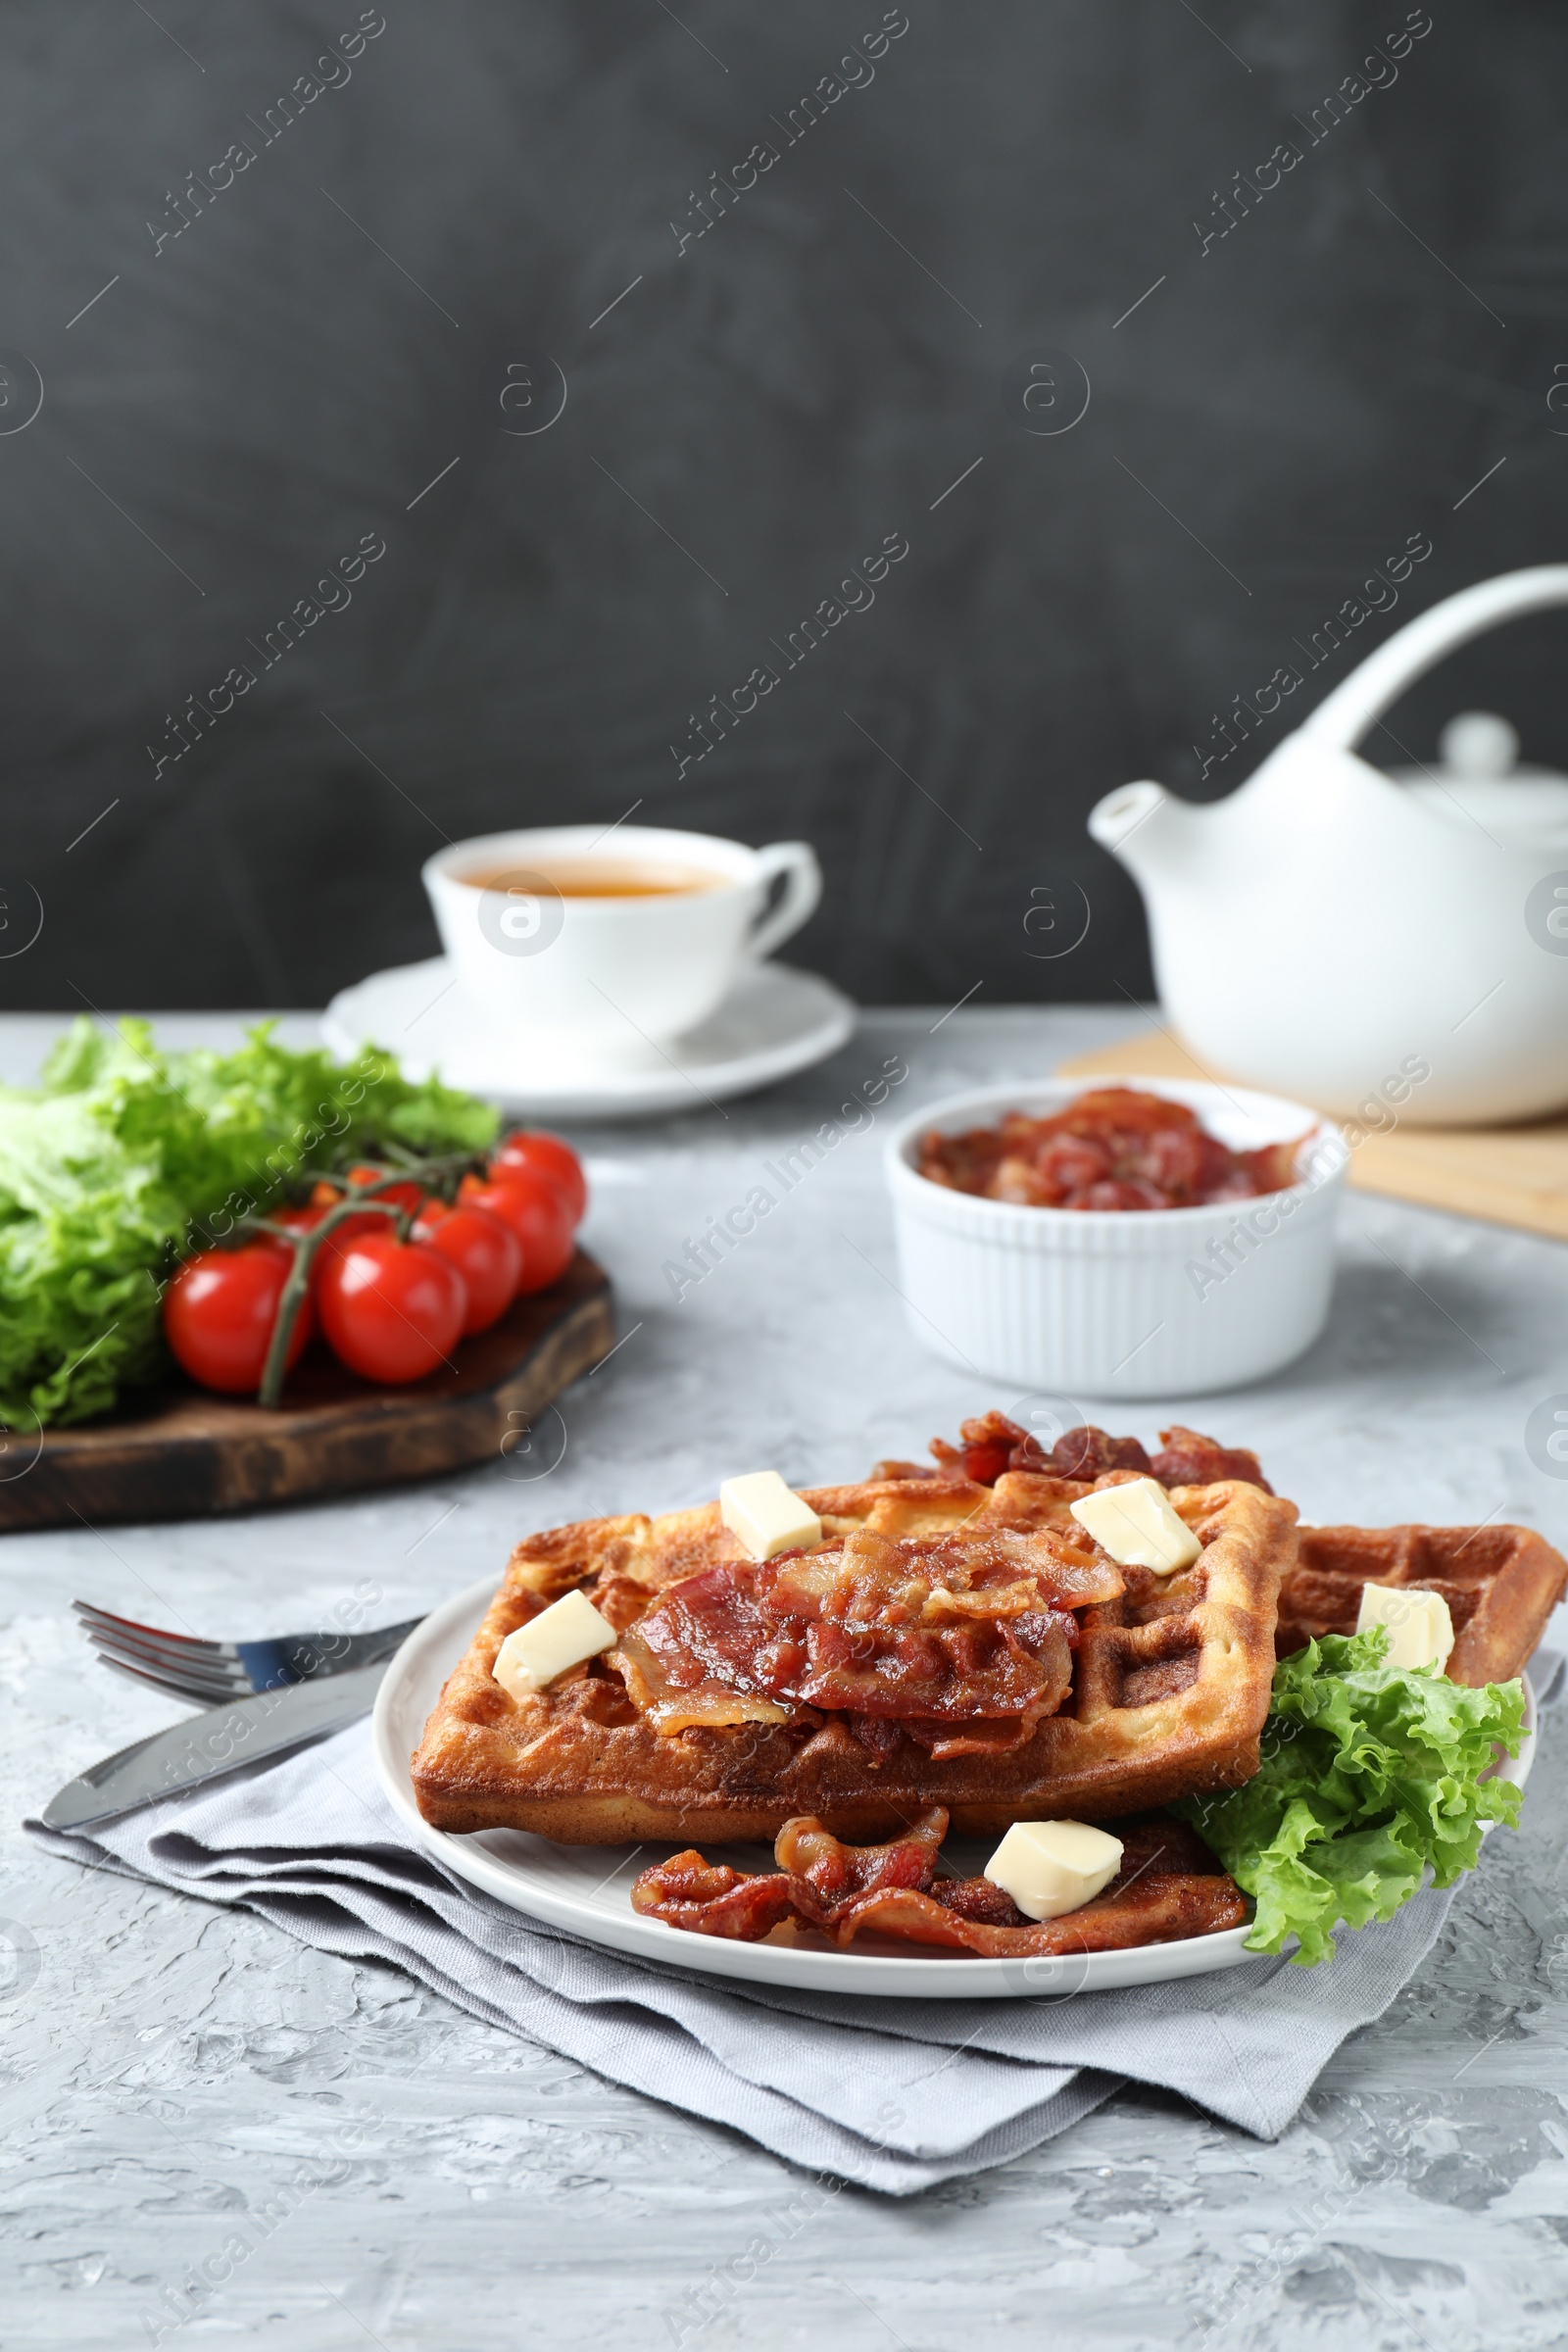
x=535, y=944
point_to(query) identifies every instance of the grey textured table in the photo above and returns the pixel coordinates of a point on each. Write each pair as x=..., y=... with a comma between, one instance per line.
x=167, y=2065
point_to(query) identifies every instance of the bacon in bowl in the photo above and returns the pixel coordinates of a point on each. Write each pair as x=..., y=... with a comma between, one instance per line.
x=1114, y=1148
x=1163, y=1239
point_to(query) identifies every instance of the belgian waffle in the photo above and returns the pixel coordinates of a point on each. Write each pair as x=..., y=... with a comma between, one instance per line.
x=1500, y=1583
x=1171, y=1686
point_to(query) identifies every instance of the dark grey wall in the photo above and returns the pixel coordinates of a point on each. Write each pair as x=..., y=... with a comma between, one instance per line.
x=771, y=399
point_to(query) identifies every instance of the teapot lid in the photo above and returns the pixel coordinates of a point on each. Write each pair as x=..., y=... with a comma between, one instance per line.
x=1479, y=778
x=1478, y=743
x=1479, y=747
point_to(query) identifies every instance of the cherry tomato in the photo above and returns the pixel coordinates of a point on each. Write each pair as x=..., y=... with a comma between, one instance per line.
x=487, y=1253
x=303, y=1217
x=219, y=1313
x=537, y=1215
x=410, y=1196
x=298, y=1216
x=327, y=1196
x=531, y=1151
x=391, y=1311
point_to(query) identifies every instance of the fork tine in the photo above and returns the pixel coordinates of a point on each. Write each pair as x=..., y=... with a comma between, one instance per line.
x=149, y=1639
x=197, y=1676
x=179, y=1661
x=128, y=1626
x=187, y=1661
x=166, y=1682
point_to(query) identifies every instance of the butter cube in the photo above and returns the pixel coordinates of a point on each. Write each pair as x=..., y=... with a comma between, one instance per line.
x=766, y=1516
x=1420, y=1628
x=563, y=1635
x=1136, y=1524
x=1050, y=1867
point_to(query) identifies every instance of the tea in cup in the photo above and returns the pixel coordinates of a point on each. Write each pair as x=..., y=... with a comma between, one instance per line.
x=597, y=940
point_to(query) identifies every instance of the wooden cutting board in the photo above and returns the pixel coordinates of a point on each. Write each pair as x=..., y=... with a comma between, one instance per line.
x=185, y=1453
x=1509, y=1175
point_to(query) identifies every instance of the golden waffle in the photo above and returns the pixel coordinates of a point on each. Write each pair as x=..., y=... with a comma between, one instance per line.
x=1171, y=1686
x=1500, y=1583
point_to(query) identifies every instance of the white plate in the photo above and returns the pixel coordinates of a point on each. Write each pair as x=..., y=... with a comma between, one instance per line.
x=774, y=1021
x=587, y=1888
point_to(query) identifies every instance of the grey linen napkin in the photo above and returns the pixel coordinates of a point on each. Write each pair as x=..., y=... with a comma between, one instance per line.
x=894, y=2095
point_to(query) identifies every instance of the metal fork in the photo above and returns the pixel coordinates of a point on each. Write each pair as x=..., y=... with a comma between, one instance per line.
x=212, y=1673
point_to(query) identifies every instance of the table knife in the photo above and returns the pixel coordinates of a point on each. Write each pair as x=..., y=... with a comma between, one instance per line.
x=206, y=1746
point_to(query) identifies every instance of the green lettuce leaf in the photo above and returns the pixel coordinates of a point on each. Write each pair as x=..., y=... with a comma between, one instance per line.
x=128, y=1159
x=1371, y=1776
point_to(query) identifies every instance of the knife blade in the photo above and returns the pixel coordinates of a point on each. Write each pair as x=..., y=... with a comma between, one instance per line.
x=217, y=1740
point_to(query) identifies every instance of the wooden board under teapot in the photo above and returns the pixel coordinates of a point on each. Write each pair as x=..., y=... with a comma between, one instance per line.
x=1507, y=1175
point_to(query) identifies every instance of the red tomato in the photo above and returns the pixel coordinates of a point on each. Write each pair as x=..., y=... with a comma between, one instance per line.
x=392, y=1311
x=408, y=1195
x=304, y=1218
x=534, y=1152
x=219, y=1313
x=329, y=1190
x=537, y=1215
x=486, y=1253
x=299, y=1217
x=328, y=1196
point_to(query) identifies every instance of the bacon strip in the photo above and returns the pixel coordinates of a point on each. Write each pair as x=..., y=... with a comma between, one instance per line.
x=708, y=1898
x=1114, y=1148
x=990, y=1445
x=1189, y=1459
x=1164, y=1909
x=1169, y=1888
x=830, y=1881
x=970, y=1635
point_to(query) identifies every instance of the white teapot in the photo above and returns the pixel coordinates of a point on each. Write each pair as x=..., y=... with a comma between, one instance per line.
x=1332, y=932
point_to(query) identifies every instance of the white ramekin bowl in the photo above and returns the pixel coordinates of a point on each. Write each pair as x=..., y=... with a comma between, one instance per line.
x=1114, y=1302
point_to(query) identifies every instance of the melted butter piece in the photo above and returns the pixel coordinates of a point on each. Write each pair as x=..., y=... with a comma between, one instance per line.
x=1136, y=1524
x=570, y=1631
x=766, y=1516
x=1420, y=1628
x=1050, y=1867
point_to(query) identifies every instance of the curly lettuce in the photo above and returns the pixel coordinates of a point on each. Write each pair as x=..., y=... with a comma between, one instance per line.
x=127, y=1159
x=1371, y=1776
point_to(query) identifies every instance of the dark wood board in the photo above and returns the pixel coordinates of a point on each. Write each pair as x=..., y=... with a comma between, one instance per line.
x=186, y=1453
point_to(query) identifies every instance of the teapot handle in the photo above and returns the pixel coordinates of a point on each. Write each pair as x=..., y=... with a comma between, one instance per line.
x=1343, y=717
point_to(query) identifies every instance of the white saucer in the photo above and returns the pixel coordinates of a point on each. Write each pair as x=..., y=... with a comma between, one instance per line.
x=774, y=1021
x=587, y=1888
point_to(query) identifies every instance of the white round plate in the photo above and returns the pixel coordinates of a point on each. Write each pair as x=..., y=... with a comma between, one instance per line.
x=587, y=1888
x=774, y=1021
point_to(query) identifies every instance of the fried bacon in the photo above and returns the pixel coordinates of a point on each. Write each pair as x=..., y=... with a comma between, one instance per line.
x=1165, y=1909
x=1114, y=1148
x=990, y=1445
x=1169, y=1886
x=965, y=1640
x=829, y=1882
x=708, y=1898
x=1187, y=1459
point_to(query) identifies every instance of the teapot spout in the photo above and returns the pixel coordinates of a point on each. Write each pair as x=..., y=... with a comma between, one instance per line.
x=1147, y=827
